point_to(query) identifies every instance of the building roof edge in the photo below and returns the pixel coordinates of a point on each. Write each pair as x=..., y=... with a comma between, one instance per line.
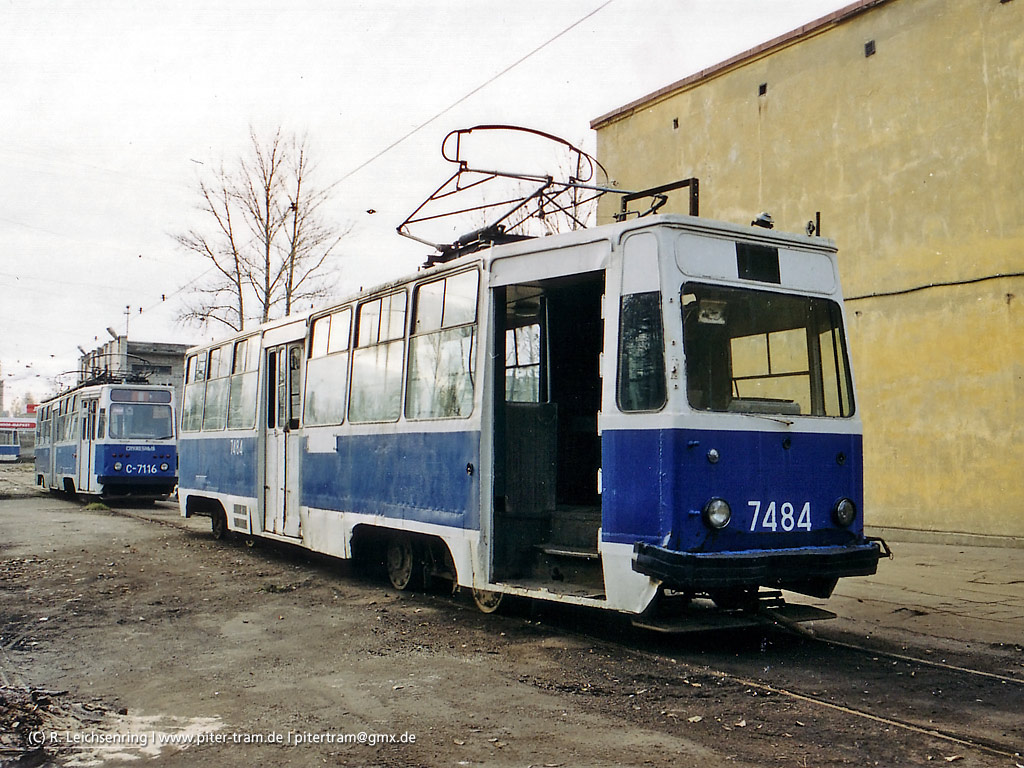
x=813, y=27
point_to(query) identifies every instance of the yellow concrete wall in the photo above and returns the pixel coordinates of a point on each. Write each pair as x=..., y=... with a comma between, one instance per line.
x=915, y=158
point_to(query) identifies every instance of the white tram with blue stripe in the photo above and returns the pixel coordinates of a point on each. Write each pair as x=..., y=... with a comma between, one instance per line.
x=10, y=436
x=610, y=417
x=110, y=440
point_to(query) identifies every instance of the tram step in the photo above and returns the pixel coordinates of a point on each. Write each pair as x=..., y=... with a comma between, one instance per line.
x=561, y=550
x=575, y=526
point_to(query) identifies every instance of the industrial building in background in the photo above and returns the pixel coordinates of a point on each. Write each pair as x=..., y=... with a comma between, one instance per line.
x=142, y=361
x=893, y=127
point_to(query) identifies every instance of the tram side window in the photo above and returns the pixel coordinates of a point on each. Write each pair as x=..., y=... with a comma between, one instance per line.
x=67, y=418
x=327, y=369
x=42, y=426
x=243, y=384
x=215, y=412
x=377, y=360
x=57, y=423
x=195, y=393
x=522, y=364
x=641, y=382
x=442, y=348
x=70, y=418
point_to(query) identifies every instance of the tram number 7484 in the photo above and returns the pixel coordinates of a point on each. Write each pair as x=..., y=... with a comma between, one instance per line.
x=780, y=517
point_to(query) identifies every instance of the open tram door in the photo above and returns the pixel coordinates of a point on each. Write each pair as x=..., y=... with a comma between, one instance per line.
x=547, y=450
x=282, y=454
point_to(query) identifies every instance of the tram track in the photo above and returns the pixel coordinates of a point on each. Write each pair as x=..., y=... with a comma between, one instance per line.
x=669, y=666
x=946, y=733
x=175, y=522
x=1000, y=750
x=918, y=660
x=794, y=672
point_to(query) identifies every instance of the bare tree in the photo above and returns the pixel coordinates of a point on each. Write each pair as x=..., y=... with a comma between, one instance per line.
x=310, y=240
x=221, y=297
x=264, y=234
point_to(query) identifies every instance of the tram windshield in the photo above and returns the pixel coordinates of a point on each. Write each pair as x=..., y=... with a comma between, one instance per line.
x=141, y=421
x=750, y=351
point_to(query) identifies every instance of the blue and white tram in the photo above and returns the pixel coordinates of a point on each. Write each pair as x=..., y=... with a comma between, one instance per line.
x=108, y=440
x=10, y=446
x=602, y=417
x=10, y=436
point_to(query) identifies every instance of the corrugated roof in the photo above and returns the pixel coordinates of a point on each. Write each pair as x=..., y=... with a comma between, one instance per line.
x=813, y=27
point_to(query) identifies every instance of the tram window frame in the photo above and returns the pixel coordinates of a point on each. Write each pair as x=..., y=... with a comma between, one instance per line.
x=441, y=372
x=71, y=418
x=523, y=363
x=243, y=386
x=746, y=360
x=641, y=384
x=326, y=385
x=295, y=355
x=194, y=400
x=215, y=408
x=378, y=360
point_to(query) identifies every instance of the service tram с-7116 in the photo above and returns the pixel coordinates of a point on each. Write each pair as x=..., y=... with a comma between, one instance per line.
x=643, y=414
x=109, y=440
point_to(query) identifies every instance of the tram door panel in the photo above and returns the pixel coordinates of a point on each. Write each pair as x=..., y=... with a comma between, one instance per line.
x=283, y=441
x=86, y=448
x=51, y=439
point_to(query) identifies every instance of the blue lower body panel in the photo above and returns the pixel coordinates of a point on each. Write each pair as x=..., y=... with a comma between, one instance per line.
x=658, y=481
x=222, y=465
x=428, y=477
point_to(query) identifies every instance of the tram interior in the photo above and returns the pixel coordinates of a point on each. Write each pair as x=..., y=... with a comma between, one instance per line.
x=547, y=449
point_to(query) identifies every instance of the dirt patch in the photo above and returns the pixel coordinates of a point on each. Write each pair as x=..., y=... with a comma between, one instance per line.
x=17, y=480
x=131, y=634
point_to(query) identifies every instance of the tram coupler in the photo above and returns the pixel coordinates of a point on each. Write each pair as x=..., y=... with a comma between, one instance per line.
x=882, y=546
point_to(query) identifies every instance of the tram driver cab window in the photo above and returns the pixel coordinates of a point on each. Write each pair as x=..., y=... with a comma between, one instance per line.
x=755, y=351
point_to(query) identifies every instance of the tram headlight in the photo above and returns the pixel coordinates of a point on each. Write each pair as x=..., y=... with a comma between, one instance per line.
x=118, y=466
x=717, y=513
x=843, y=512
x=164, y=467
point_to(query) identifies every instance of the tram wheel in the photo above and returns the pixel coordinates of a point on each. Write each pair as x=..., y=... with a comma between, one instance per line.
x=219, y=524
x=487, y=601
x=404, y=568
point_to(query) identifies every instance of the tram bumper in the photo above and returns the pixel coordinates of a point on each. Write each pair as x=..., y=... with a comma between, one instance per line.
x=817, y=568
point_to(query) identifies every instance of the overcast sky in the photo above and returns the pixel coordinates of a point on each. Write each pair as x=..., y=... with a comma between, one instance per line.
x=110, y=111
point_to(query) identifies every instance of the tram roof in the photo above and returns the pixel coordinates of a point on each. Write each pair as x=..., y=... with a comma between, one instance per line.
x=613, y=233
